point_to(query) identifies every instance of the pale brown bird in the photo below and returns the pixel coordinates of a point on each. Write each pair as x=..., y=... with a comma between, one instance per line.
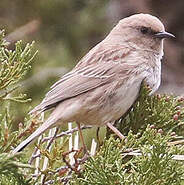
x=106, y=81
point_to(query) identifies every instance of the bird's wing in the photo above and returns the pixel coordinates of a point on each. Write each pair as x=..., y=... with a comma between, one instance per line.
x=97, y=55
x=81, y=80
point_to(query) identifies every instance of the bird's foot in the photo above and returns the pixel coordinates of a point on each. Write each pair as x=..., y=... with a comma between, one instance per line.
x=116, y=131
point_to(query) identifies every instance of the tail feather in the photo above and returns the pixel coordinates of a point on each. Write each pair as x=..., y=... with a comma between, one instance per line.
x=47, y=124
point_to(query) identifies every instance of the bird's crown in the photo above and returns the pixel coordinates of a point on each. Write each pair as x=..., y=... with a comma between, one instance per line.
x=143, y=20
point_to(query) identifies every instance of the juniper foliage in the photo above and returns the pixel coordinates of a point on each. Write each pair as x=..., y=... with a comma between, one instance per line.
x=14, y=64
x=112, y=166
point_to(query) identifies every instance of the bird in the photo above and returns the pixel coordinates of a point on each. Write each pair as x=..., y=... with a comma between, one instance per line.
x=106, y=81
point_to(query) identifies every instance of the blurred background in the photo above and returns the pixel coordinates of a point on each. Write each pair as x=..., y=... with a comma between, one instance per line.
x=64, y=30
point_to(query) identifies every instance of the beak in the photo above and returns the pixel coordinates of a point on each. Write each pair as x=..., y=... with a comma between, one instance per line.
x=164, y=34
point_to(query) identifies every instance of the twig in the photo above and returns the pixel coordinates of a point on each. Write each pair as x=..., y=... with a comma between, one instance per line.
x=136, y=153
x=37, y=161
x=52, y=137
x=66, y=133
x=68, y=163
x=23, y=31
x=36, y=154
x=93, y=147
x=52, y=134
x=70, y=145
x=74, y=162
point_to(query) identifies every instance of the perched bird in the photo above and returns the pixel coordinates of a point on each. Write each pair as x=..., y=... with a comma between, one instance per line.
x=106, y=81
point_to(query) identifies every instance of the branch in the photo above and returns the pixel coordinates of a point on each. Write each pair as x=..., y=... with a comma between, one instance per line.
x=138, y=153
x=23, y=31
x=45, y=139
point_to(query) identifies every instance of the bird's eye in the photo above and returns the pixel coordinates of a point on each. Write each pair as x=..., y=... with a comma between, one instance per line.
x=144, y=30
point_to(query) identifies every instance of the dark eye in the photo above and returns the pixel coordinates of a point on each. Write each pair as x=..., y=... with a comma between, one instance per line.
x=144, y=30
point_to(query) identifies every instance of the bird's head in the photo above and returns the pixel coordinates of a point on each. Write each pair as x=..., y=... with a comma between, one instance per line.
x=144, y=31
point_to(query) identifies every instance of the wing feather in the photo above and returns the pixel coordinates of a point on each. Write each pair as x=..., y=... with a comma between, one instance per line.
x=77, y=84
x=80, y=80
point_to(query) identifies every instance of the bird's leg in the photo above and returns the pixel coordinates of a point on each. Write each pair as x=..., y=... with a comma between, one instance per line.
x=97, y=135
x=82, y=139
x=116, y=131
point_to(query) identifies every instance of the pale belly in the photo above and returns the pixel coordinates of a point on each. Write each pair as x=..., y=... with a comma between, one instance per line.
x=112, y=108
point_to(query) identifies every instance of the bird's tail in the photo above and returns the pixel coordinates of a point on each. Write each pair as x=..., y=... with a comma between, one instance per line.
x=47, y=124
